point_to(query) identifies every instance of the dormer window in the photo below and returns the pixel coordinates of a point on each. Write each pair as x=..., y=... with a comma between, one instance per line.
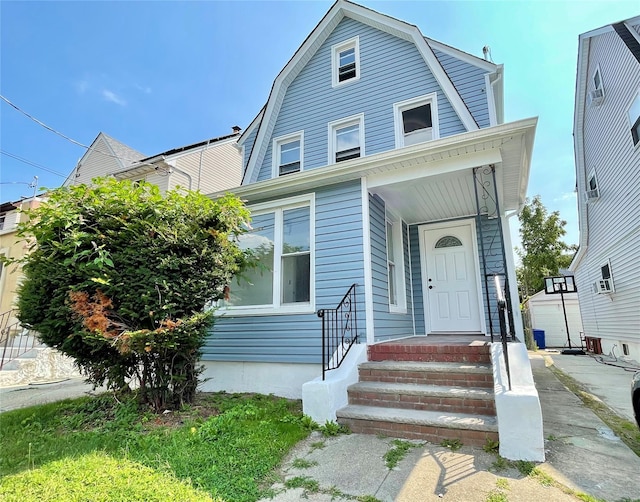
x=287, y=154
x=416, y=120
x=346, y=139
x=596, y=96
x=345, y=62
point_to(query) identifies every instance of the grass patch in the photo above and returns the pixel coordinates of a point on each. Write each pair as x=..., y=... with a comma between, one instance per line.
x=491, y=446
x=496, y=496
x=330, y=429
x=301, y=463
x=398, y=452
x=309, y=485
x=502, y=483
x=452, y=444
x=624, y=429
x=318, y=445
x=224, y=446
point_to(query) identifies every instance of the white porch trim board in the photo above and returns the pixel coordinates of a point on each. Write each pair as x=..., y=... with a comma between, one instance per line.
x=368, y=283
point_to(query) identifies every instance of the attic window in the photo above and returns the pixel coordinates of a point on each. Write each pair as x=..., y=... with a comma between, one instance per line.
x=345, y=62
x=416, y=120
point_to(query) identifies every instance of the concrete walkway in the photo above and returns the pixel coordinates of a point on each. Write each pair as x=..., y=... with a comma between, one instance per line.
x=582, y=453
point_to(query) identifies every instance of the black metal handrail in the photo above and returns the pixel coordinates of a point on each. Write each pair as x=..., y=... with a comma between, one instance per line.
x=15, y=340
x=339, y=331
x=502, y=316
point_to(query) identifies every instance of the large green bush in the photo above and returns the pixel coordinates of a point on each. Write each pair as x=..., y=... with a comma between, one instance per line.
x=118, y=278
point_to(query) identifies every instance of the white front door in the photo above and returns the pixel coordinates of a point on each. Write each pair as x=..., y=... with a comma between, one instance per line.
x=450, y=278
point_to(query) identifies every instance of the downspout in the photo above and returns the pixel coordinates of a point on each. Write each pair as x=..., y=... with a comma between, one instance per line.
x=180, y=171
x=160, y=159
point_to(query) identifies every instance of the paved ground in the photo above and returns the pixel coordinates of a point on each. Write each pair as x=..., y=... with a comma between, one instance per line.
x=582, y=453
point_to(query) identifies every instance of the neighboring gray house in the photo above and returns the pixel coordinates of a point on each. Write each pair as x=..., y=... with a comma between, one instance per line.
x=381, y=159
x=208, y=166
x=607, y=150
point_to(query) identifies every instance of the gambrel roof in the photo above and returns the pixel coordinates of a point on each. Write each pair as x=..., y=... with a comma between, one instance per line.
x=340, y=10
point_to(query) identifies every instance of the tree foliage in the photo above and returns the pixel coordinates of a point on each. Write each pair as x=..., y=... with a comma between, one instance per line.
x=118, y=278
x=543, y=252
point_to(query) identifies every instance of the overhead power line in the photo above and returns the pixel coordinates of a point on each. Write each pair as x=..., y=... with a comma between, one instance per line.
x=27, y=161
x=48, y=128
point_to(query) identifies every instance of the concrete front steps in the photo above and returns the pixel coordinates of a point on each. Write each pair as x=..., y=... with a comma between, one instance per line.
x=431, y=391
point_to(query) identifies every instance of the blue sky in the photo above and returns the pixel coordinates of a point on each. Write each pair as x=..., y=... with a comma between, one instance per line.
x=159, y=75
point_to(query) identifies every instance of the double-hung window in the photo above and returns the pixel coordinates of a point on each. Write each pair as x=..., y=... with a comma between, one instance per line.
x=395, y=264
x=345, y=62
x=634, y=119
x=416, y=120
x=288, y=154
x=282, y=242
x=346, y=139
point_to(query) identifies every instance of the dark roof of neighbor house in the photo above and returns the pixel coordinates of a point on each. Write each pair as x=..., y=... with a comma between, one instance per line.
x=190, y=147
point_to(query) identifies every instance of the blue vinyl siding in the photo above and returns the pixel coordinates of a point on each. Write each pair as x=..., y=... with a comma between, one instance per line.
x=494, y=265
x=470, y=82
x=248, y=146
x=392, y=70
x=339, y=263
x=387, y=325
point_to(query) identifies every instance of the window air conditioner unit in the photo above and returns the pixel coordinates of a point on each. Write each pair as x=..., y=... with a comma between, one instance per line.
x=594, y=98
x=591, y=195
x=603, y=287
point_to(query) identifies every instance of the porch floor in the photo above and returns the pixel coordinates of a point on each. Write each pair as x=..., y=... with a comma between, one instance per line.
x=454, y=339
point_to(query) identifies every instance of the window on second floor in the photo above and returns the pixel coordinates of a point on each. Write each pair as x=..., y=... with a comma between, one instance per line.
x=634, y=119
x=346, y=139
x=345, y=62
x=416, y=120
x=287, y=154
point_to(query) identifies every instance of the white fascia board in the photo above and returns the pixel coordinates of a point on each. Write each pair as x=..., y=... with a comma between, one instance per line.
x=444, y=166
x=254, y=123
x=578, y=141
x=322, y=31
x=483, y=64
x=363, y=166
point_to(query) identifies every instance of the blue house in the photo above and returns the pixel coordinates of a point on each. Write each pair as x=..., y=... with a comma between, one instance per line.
x=381, y=160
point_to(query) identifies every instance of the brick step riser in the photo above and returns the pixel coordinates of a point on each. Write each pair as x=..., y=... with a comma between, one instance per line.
x=484, y=381
x=431, y=357
x=429, y=433
x=428, y=403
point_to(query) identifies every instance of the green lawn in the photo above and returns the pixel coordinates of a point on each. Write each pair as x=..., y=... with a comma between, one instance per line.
x=224, y=448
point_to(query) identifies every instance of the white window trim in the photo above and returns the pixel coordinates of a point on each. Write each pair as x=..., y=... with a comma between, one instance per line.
x=275, y=153
x=339, y=124
x=635, y=97
x=335, y=60
x=398, y=250
x=401, y=106
x=277, y=308
x=600, y=277
x=593, y=79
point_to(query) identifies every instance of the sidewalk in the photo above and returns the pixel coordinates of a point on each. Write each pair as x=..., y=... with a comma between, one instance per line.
x=12, y=398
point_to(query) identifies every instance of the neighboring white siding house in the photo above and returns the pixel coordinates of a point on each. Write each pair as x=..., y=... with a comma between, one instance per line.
x=209, y=166
x=546, y=313
x=607, y=149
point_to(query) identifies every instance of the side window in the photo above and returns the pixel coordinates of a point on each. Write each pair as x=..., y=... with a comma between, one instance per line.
x=288, y=154
x=596, y=96
x=605, y=285
x=345, y=62
x=395, y=264
x=634, y=119
x=416, y=120
x=346, y=139
x=592, y=192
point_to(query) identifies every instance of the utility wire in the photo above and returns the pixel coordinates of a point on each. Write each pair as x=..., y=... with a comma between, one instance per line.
x=26, y=161
x=48, y=128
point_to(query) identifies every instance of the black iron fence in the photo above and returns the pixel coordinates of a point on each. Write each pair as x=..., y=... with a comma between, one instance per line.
x=339, y=331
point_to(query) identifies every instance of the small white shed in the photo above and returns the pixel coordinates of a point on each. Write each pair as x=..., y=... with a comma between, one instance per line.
x=546, y=313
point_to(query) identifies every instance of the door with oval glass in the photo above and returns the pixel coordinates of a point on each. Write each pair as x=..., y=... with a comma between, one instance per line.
x=451, y=278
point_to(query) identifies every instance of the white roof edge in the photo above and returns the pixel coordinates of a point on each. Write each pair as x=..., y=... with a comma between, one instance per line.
x=483, y=64
x=336, y=13
x=254, y=123
x=357, y=167
x=608, y=27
